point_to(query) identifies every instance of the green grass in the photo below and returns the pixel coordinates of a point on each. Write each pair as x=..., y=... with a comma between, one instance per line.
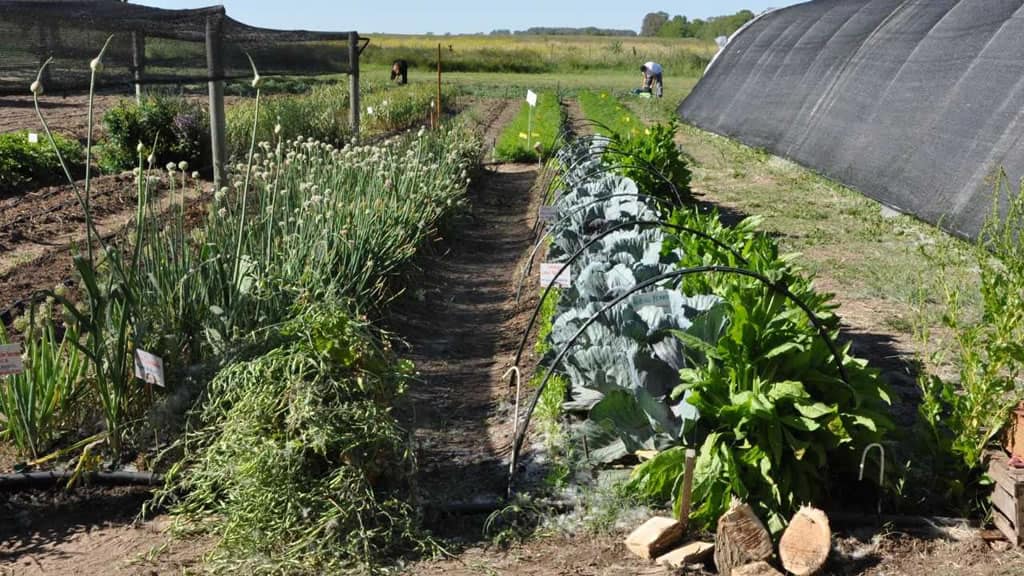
x=608, y=114
x=539, y=54
x=544, y=124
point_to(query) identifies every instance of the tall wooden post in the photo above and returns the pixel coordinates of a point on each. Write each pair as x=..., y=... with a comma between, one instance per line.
x=138, y=62
x=353, y=83
x=215, y=70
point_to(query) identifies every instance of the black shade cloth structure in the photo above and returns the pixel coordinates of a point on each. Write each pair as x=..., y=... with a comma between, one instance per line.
x=171, y=43
x=913, y=102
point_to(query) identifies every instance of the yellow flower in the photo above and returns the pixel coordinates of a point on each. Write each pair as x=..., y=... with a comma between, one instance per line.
x=647, y=131
x=523, y=135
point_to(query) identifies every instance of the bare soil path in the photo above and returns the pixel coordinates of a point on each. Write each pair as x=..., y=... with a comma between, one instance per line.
x=460, y=325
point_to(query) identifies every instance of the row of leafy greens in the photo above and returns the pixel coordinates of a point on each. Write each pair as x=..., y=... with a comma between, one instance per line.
x=719, y=362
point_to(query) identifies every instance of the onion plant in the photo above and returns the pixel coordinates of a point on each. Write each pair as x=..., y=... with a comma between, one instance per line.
x=35, y=403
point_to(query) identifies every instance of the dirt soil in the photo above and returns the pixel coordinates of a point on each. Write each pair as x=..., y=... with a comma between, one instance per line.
x=39, y=229
x=67, y=115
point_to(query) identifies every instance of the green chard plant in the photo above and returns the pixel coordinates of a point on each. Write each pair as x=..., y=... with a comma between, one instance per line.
x=776, y=421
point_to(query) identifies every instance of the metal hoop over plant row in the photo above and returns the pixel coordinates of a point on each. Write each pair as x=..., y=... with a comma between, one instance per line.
x=822, y=332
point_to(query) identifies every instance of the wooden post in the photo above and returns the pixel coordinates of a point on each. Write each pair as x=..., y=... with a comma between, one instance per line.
x=438, y=112
x=687, y=495
x=138, y=62
x=215, y=70
x=353, y=83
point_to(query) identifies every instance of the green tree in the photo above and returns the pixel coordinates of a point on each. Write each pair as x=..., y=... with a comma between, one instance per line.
x=653, y=23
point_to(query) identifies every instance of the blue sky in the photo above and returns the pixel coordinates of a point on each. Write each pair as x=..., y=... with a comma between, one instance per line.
x=459, y=16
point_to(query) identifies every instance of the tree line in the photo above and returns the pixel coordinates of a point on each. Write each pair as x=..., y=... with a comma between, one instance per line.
x=547, y=31
x=663, y=25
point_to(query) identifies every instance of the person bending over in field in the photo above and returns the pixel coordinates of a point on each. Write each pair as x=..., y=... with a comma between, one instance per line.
x=652, y=80
x=400, y=70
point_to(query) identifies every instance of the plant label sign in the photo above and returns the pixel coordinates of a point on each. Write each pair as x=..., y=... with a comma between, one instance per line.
x=33, y=138
x=10, y=360
x=149, y=368
x=531, y=98
x=547, y=213
x=547, y=274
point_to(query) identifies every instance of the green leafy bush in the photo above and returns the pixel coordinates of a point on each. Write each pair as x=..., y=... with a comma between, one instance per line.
x=652, y=160
x=964, y=419
x=515, y=145
x=776, y=421
x=24, y=165
x=296, y=455
x=179, y=128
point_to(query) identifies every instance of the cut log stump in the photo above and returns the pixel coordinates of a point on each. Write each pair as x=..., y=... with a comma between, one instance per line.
x=806, y=542
x=741, y=539
x=655, y=537
x=692, y=553
x=761, y=568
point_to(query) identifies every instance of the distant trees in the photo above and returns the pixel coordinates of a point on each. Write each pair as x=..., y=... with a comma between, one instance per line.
x=546, y=31
x=660, y=24
x=653, y=23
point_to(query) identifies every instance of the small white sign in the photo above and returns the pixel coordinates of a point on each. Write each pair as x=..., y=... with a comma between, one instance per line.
x=10, y=360
x=149, y=368
x=33, y=138
x=547, y=274
x=531, y=98
x=547, y=213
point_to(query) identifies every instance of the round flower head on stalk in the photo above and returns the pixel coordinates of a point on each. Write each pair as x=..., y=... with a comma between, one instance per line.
x=195, y=175
x=183, y=166
x=140, y=148
x=171, y=166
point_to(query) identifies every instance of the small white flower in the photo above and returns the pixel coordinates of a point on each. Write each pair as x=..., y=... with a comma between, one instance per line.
x=183, y=166
x=37, y=88
x=171, y=166
x=223, y=212
x=277, y=129
x=140, y=148
x=369, y=110
x=151, y=159
x=96, y=65
x=195, y=175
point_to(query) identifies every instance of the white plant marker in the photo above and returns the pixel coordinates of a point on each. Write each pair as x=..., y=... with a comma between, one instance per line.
x=10, y=360
x=149, y=368
x=531, y=99
x=547, y=274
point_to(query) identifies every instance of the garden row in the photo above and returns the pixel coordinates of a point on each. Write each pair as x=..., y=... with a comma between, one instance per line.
x=677, y=332
x=268, y=392
x=176, y=129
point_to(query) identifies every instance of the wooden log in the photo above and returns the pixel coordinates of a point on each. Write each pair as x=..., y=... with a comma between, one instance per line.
x=806, y=542
x=692, y=553
x=760, y=568
x=741, y=539
x=655, y=537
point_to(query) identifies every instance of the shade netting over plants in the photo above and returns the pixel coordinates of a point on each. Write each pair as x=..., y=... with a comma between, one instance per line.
x=913, y=102
x=172, y=44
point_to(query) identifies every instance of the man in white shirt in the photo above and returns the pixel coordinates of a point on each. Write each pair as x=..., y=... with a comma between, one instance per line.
x=652, y=77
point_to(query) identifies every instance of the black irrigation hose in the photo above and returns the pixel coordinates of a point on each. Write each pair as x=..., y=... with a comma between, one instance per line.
x=822, y=331
x=41, y=480
x=581, y=251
